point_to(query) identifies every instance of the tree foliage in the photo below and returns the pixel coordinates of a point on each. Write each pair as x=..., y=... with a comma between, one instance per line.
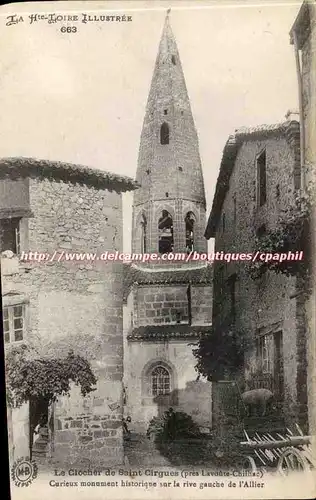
x=220, y=353
x=178, y=438
x=45, y=378
x=171, y=426
x=293, y=234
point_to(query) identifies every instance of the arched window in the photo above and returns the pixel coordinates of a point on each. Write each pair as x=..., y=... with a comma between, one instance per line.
x=164, y=133
x=143, y=234
x=189, y=231
x=160, y=381
x=165, y=230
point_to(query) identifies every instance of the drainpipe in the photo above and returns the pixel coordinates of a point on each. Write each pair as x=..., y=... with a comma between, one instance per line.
x=300, y=103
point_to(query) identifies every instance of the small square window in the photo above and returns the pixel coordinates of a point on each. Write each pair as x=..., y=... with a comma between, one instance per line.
x=165, y=111
x=261, y=231
x=261, y=179
x=14, y=323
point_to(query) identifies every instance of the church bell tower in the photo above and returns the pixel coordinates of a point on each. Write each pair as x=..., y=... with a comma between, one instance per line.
x=169, y=208
x=168, y=302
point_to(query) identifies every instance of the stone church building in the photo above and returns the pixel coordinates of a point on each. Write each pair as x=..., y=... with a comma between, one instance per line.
x=168, y=304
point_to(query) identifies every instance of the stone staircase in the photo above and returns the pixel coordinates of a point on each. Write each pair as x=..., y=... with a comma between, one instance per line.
x=40, y=448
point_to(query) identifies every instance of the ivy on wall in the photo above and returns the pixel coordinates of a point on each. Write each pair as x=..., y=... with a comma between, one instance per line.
x=220, y=353
x=293, y=234
x=44, y=378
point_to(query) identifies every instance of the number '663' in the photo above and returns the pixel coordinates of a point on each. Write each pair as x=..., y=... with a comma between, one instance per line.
x=68, y=29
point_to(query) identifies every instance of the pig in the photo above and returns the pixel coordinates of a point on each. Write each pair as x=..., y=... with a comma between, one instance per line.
x=259, y=399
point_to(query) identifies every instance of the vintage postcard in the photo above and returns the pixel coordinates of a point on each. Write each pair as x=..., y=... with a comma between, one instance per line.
x=157, y=208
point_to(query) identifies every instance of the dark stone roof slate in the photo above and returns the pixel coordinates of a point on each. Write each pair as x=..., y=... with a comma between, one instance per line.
x=20, y=167
x=141, y=276
x=161, y=332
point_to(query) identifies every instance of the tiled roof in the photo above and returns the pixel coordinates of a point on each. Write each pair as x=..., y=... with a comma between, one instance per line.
x=241, y=135
x=160, y=332
x=143, y=276
x=20, y=167
x=260, y=129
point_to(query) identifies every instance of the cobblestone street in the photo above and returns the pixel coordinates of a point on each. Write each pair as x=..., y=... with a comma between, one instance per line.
x=141, y=451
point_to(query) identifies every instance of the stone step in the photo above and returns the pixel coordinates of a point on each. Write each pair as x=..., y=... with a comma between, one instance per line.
x=40, y=448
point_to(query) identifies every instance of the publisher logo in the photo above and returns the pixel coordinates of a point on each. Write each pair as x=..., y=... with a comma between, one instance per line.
x=24, y=471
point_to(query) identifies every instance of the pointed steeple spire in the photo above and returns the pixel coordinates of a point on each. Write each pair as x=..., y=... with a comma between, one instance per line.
x=168, y=79
x=169, y=166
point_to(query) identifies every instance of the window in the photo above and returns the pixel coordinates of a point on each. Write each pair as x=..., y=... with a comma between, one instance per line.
x=164, y=133
x=178, y=317
x=232, y=290
x=173, y=59
x=265, y=353
x=235, y=208
x=10, y=235
x=165, y=230
x=13, y=323
x=189, y=304
x=270, y=357
x=143, y=234
x=189, y=231
x=261, y=179
x=261, y=231
x=160, y=381
x=220, y=279
x=165, y=111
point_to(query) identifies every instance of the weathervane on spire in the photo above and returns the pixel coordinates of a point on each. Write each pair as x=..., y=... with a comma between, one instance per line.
x=168, y=11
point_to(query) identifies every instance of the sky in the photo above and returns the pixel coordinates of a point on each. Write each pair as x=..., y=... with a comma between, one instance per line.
x=81, y=97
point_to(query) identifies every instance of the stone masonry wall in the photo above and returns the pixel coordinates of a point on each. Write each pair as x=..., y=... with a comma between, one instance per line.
x=201, y=304
x=191, y=397
x=309, y=92
x=261, y=303
x=77, y=305
x=159, y=305
x=309, y=111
